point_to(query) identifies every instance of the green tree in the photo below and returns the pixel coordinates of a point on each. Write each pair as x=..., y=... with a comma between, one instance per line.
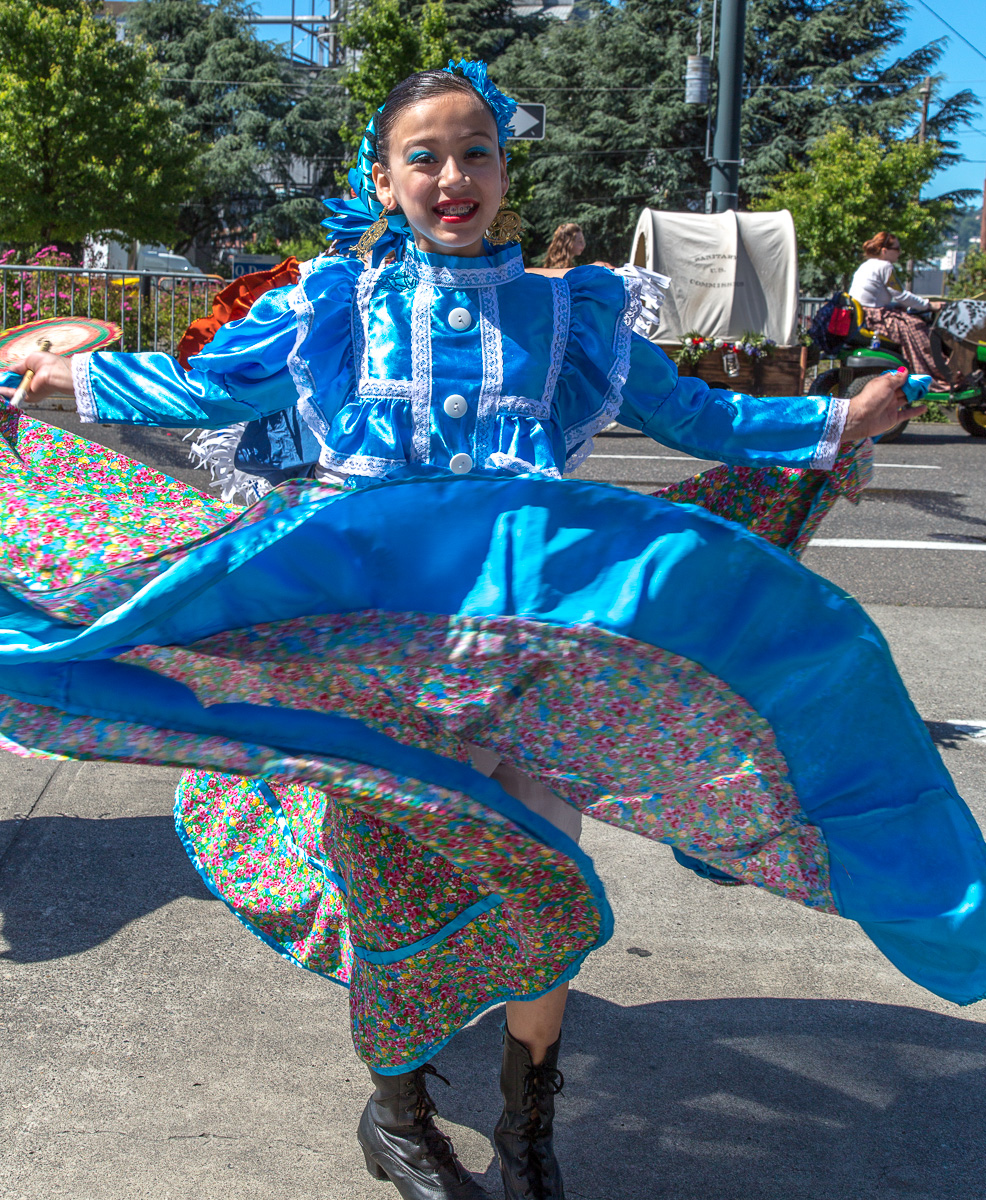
x=482, y=28
x=255, y=116
x=619, y=135
x=969, y=280
x=390, y=47
x=852, y=187
x=87, y=144
x=812, y=66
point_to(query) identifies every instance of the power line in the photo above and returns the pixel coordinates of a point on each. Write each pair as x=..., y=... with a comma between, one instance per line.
x=961, y=37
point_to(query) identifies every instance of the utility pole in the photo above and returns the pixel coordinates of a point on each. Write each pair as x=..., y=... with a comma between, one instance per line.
x=724, y=191
x=925, y=95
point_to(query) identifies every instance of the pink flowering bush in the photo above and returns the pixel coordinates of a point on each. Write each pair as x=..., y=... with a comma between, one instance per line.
x=155, y=321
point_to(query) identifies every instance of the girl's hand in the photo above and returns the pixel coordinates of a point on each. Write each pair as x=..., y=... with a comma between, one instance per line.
x=52, y=377
x=878, y=407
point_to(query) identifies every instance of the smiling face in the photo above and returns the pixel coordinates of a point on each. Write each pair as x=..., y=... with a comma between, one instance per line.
x=446, y=171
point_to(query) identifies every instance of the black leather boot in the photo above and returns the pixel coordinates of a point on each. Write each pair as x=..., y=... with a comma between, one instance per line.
x=400, y=1141
x=523, y=1133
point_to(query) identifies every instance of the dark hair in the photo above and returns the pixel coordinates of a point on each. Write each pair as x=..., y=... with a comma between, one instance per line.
x=561, y=252
x=420, y=86
x=879, y=241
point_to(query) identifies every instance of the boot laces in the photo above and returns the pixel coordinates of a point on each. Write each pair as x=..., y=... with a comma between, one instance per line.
x=540, y=1082
x=438, y=1146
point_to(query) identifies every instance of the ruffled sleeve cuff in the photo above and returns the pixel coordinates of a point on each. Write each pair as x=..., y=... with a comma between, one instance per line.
x=831, y=440
x=85, y=401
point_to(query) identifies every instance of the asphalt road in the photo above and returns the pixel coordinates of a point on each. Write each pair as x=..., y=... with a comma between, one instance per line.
x=928, y=487
x=724, y=1043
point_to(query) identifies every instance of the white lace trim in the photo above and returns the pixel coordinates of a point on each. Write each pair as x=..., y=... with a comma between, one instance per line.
x=578, y=438
x=520, y=466
x=653, y=287
x=215, y=450
x=421, y=373
x=525, y=406
x=489, y=393
x=392, y=389
x=827, y=450
x=85, y=400
x=464, y=277
x=299, y=369
x=561, y=302
x=357, y=464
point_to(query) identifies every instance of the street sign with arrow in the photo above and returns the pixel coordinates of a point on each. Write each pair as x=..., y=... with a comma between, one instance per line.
x=528, y=123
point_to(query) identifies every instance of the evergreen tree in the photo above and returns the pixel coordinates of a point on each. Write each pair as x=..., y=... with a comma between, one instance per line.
x=812, y=66
x=253, y=117
x=619, y=135
x=87, y=145
x=482, y=28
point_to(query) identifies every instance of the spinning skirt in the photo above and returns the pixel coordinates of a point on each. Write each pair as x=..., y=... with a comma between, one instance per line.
x=323, y=660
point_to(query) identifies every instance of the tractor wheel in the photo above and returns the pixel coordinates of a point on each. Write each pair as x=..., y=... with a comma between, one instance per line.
x=972, y=420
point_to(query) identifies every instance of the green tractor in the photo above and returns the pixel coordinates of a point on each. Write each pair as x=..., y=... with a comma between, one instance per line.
x=840, y=334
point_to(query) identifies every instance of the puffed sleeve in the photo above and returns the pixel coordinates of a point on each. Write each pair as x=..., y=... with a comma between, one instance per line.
x=636, y=383
x=250, y=369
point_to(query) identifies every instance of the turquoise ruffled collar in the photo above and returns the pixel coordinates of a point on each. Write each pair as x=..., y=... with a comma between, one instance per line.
x=449, y=270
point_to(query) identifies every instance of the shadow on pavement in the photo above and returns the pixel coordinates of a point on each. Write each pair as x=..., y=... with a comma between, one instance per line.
x=74, y=881
x=754, y=1099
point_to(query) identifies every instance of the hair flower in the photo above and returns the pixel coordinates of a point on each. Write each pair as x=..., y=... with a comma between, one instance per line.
x=503, y=106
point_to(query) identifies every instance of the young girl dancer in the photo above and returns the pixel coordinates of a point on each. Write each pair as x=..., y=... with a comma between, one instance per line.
x=421, y=676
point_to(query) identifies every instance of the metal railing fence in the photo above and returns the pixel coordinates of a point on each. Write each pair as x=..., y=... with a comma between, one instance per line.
x=153, y=309
x=807, y=307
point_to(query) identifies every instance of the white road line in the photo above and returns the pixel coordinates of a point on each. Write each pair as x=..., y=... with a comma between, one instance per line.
x=690, y=458
x=892, y=544
x=654, y=457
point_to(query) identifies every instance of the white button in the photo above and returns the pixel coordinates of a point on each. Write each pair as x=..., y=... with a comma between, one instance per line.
x=455, y=406
x=461, y=463
x=460, y=318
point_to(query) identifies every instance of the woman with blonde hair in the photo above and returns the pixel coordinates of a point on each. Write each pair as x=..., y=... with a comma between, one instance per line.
x=889, y=308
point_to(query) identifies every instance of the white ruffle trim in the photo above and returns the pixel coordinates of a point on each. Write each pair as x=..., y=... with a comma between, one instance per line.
x=215, y=449
x=653, y=288
x=578, y=438
x=827, y=450
x=85, y=401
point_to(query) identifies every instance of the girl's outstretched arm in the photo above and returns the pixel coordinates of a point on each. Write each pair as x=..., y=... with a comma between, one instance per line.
x=796, y=431
x=241, y=375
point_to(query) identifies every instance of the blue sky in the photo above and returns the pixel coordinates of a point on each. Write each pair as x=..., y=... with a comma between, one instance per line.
x=962, y=67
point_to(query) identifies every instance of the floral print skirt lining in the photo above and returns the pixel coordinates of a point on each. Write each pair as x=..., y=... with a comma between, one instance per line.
x=329, y=799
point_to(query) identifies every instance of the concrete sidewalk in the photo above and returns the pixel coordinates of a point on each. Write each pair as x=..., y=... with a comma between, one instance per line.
x=723, y=1044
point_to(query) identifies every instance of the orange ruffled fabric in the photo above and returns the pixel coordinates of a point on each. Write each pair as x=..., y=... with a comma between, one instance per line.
x=233, y=302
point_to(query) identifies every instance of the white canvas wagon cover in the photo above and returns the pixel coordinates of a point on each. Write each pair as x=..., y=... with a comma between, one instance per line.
x=731, y=272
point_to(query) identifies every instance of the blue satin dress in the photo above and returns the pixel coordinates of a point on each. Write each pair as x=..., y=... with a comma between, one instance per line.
x=473, y=368
x=325, y=660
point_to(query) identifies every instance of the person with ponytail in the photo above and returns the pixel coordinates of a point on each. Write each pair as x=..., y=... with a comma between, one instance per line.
x=401, y=685
x=890, y=309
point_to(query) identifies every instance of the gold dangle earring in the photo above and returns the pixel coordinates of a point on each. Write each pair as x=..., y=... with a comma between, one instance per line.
x=505, y=226
x=372, y=235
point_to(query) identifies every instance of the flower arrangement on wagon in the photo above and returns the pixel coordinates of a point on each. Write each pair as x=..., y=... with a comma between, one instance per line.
x=694, y=345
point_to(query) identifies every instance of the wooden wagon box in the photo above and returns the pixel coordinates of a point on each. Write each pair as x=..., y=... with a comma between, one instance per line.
x=780, y=374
